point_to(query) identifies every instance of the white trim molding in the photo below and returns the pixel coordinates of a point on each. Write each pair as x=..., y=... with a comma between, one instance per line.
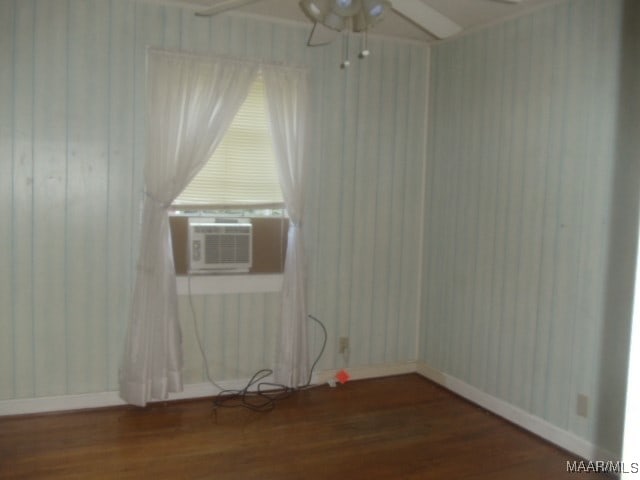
x=197, y=390
x=371, y=371
x=25, y=406
x=100, y=400
x=225, y=284
x=517, y=416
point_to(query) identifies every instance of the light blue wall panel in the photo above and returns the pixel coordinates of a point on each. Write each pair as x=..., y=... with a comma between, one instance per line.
x=50, y=155
x=237, y=333
x=86, y=188
x=21, y=272
x=357, y=209
x=72, y=88
x=6, y=208
x=520, y=173
x=121, y=193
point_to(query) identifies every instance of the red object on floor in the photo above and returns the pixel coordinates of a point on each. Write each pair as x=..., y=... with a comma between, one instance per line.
x=343, y=376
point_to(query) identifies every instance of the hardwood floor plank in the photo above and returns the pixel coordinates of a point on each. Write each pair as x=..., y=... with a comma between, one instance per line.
x=402, y=427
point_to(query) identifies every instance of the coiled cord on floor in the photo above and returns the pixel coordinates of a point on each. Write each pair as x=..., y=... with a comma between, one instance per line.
x=257, y=395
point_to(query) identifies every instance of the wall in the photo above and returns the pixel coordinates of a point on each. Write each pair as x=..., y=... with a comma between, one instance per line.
x=71, y=153
x=628, y=189
x=521, y=296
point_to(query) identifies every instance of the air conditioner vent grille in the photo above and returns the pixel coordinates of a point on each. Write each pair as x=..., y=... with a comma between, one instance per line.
x=220, y=229
x=216, y=246
x=225, y=249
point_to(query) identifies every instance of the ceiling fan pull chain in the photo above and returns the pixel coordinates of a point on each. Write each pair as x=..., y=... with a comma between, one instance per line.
x=364, y=52
x=345, y=62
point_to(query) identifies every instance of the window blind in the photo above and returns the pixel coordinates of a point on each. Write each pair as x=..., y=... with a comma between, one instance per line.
x=242, y=170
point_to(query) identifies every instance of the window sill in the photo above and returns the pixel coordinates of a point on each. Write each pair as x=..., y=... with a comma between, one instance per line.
x=223, y=284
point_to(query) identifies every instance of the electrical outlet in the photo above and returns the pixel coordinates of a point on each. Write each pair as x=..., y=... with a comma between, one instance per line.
x=582, y=405
x=343, y=344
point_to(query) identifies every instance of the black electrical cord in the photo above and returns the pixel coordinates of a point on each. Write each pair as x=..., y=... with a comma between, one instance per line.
x=264, y=397
x=258, y=400
x=324, y=344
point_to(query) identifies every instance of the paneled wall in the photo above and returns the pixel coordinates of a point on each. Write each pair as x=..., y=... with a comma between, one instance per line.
x=519, y=237
x=72, y=96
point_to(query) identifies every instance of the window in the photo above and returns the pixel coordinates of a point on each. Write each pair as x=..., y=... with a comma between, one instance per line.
x=242, y=171
x=240, y=180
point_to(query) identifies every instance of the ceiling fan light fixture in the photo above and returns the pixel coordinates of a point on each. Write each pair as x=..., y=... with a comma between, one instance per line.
x=374, y=10
x=315, y=9
x=345, y=8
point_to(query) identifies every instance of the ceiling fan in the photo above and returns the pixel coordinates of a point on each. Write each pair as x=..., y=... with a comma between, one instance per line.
x=333, y=16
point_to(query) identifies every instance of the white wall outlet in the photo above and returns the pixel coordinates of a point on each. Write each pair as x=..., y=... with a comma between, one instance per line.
x=343, y=344
x=582, y=405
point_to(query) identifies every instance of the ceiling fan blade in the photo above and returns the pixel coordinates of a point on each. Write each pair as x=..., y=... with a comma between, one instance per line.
x=321, y=35
x=426, y=18
x=223, y=6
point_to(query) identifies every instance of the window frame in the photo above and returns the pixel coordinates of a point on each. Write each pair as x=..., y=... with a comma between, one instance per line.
x=257, y=279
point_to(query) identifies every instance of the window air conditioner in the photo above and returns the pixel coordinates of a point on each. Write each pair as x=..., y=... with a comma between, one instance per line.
x=221, y=245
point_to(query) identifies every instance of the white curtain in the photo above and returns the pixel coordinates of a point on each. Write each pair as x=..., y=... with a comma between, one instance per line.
x=191, y=101
x=287, y=97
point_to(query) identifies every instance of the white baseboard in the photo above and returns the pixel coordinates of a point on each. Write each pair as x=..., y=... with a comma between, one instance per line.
x=105, y=399
x=22, y=406
x=197, y=390
x=536, y=425
x=371, y=371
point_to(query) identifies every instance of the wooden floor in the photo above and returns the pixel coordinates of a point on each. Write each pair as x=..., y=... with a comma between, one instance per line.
x=402, y=427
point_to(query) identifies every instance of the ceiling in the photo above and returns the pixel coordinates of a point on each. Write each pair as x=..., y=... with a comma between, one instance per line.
x=469, y=14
